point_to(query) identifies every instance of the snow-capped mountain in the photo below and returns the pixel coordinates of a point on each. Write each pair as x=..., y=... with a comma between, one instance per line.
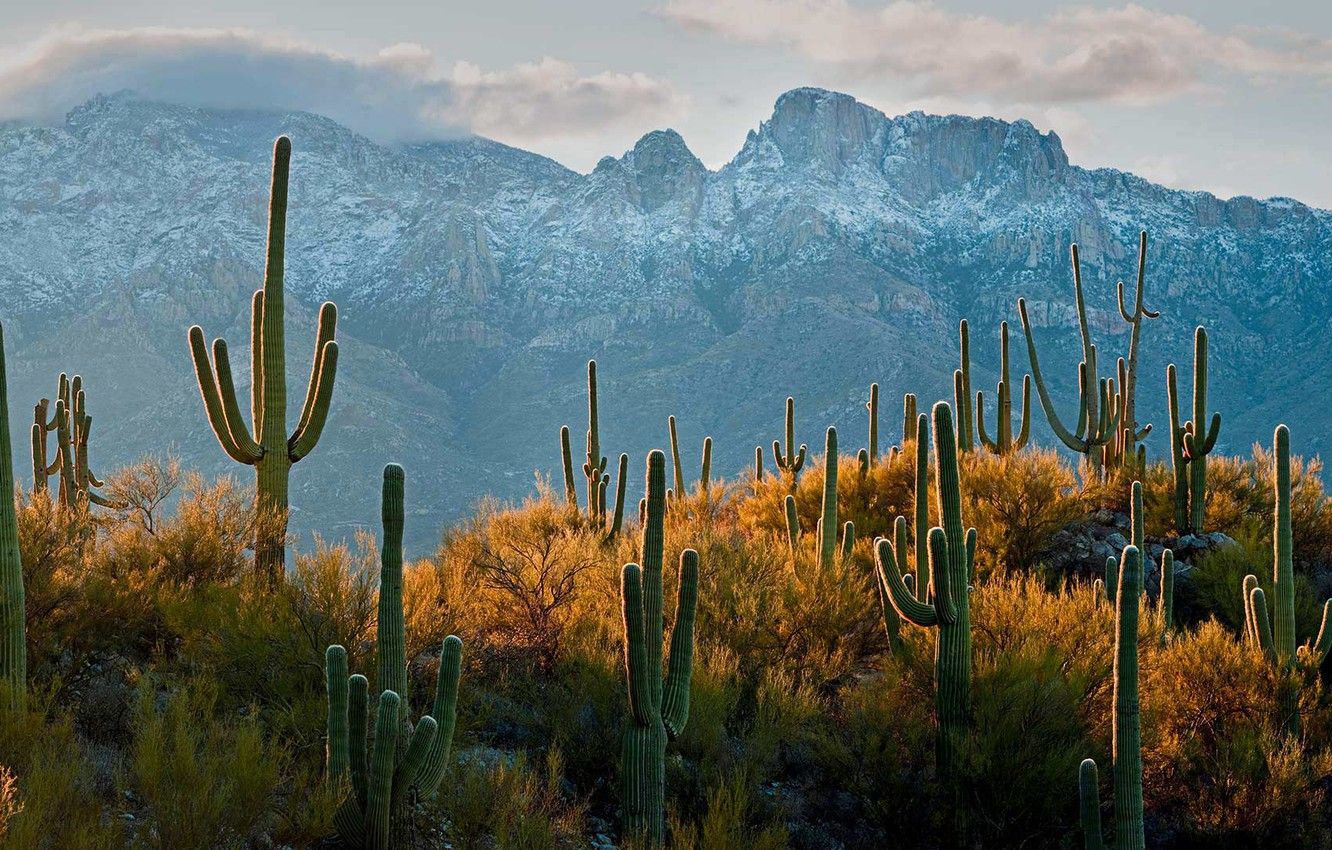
x=838, y=247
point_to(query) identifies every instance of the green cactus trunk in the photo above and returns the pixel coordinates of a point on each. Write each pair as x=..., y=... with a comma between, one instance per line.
x=1004, y=442
x=13, y=624
x=658, y=708
x=1089, y=799
x=828, y=523
x=873, y=407
x=269, y=450
x=1179, y=464
x=1127, y=740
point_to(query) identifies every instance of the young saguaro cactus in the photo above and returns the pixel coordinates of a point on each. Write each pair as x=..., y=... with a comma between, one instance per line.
x=1004, y=442
x=1126, y=728
x=407, y=761
x=1277, y=636
x=945, y=606
x=1095, y=425
x=792, y=461
x=13, y=641
x=269, y=449
x=658, y=708
x=1189, y=445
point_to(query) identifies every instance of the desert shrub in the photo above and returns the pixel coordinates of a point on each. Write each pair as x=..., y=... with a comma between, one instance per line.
x=1017, y=503
x=334, y=594
x=1213, y=756
x=208, y=537
x=1215, y=587
x=497, y=800
x=728, y=822
x=143, y=488
x=205, y=781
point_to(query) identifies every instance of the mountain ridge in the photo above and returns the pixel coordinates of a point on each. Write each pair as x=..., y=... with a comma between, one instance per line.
x=838, y=246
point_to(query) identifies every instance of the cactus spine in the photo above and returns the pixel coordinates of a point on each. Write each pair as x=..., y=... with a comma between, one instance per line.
x=269, y=450
x=1004, y=442
x=1277, y=637
x=1189, y=445
x=658, y=709
x=1127, y=746
x=405, y=759
x=945, y=606
x=1096, y=425
x=1124, y=448
x=791, y=463
x=13, y=625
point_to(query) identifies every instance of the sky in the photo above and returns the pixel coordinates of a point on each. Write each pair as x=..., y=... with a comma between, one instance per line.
x=1224, y=96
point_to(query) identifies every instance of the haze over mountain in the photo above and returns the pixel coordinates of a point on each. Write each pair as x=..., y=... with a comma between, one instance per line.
x=837, y=248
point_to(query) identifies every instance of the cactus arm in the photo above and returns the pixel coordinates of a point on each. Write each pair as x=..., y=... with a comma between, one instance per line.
x=1089, y=804
x=336, y=752
x=758, y=464
x=985, y=440
x=1212, y=432
x=945, y=606
x=411, y=761
x=566, y=457
x=1263, y=624
x=848, y=539
x=257, y=359
x=249, y=452
x=621, y=479
x=1250, y=625
x=1047, y=404
x=675, y=694
x=38, y=458
x=908, y=416
x=1323, y=642
x=906, y=604
x=445, y=713
x=705, y=476
x=777, y=458
x=303, y=441
x=921, y=507
x=635, y=644
x=324, y=334
x=379, y=791
x=1024, y=431
x=358, y=688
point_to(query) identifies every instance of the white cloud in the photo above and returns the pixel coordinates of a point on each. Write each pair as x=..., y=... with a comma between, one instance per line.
x=1129, y=54
x=399, y=93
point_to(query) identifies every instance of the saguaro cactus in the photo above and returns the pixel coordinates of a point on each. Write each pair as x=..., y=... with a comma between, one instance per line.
x=406, y=761
x=1189, y=444
x=658, y=708
x=269, y=450
x=705, y=475
x=908, y=417
x=1095, y=424
x=791, y=463
x=1277, y=637
x=1125, y=446
x=872, y=406
x=596, y=479
x=828, y=520
x=1127, y=746
x=944, y=606
x=72, y=425
x=13, y=643
x=1004, y=442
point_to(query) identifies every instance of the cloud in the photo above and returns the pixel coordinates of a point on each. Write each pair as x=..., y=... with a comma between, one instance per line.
x=1128, y=55
x=398, y=93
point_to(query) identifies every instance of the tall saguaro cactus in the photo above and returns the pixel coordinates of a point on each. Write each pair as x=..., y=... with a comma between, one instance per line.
x=1277, y=636
x=1096, y=425
x=1189, y=444
x=945, y=605
x=1004, y=442
x=790, y=463
x=658, y=708
x=962, y=389
x=405, y=761
x=1126, y=726
x=596, y=478
x=872, y=406
x=72, y=425
x=828, y=520
x=269, y=449
x=13, y=642
x=1125, y=446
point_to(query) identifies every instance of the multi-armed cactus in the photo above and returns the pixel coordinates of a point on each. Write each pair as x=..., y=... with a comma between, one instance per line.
x=962, y=390
x=1124, y=447
x=13, y=644
x=72, y=425
x=270, y=450
x=944, y=604
x=918, y=582
x=595, y=476
x=1276, y=636
x=705, y=476
x=1004, y=442
x=658, y=708
x=1126, y=732
x=1096, y=424
x=791, y=463
x=1189, y=444
x=406, y=762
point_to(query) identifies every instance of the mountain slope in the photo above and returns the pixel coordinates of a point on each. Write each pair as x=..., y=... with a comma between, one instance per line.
x=839, y=247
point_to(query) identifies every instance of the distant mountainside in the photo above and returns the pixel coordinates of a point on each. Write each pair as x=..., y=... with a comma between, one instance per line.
x=838, y=247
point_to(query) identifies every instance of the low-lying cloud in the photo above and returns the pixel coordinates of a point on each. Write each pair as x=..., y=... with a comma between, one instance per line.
x=401, y=93
x=1129, y=54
